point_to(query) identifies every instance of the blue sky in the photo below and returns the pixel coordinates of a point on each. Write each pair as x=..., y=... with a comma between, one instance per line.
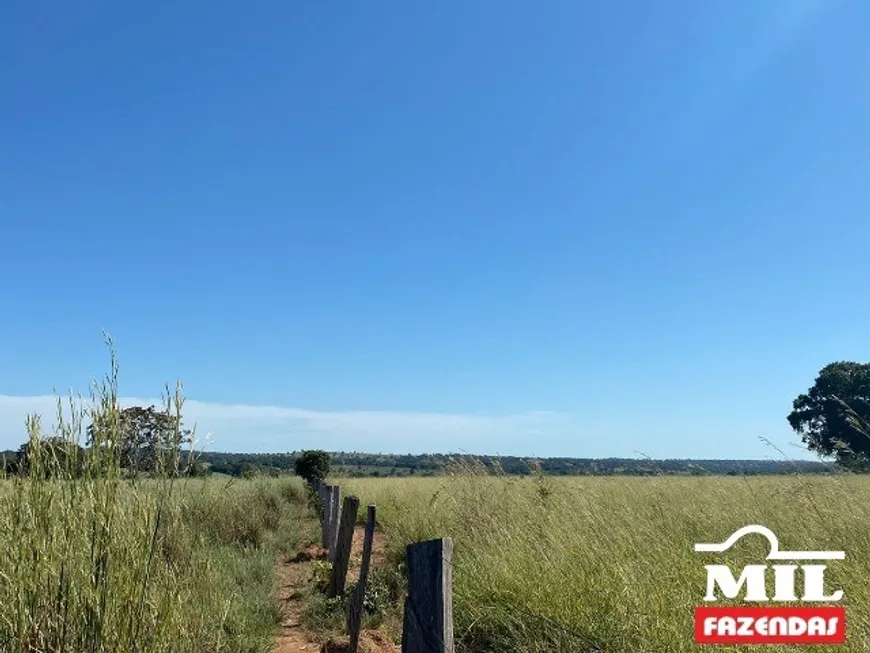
x=561, y=228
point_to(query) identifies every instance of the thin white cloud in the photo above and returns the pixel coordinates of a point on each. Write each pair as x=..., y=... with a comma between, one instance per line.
x=277, y=429
x=252, y=428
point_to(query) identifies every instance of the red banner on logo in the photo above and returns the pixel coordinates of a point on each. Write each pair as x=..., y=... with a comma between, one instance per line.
x=780, y=625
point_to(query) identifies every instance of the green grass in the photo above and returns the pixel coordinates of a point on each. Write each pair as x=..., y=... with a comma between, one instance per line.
x=546, y=564
x=98, y=562
x=82, y=573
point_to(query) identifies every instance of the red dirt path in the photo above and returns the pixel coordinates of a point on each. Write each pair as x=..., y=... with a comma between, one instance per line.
x=296, y=574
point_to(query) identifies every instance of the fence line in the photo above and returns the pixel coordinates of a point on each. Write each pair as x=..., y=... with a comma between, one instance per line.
x=428, y=612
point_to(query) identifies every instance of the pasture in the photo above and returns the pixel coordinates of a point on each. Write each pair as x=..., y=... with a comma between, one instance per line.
x=95, y=561
x=540, y=563
x=607, y=564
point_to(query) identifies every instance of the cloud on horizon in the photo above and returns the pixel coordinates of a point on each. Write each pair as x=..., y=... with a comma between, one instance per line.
x=255, y=428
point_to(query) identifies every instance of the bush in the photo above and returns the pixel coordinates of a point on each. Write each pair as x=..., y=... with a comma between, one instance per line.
x=313, y=466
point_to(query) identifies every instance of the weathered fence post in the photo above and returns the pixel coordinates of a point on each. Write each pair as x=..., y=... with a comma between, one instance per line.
x=334, y=517
x=343, y=544
x=326, y=515
x=324, y=499
x=355, y=607
x=315, y=488
x=428, y=619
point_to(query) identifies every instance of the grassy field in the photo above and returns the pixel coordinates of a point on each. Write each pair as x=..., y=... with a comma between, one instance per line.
x=546, y=564
x=93, y=560
x=134, y=568
x=540, y=564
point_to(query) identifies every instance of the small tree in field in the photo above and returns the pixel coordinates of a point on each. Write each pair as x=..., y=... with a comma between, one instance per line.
x=313, y=466
x=150, y=439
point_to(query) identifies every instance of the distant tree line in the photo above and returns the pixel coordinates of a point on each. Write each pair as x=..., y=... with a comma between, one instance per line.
x=246, y=465
x=381, y=465
x=832, y=419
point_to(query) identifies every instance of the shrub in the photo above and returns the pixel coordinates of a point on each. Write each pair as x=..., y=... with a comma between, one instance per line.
x=313, y=466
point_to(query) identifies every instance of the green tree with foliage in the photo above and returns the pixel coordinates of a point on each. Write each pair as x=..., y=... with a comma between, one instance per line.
x=313, y=465
x=59, y=458
x=833, y=416
x=150, y=439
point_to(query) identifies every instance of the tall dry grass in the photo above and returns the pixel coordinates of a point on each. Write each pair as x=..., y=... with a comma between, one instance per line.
x=608, y=564
x=95, y=561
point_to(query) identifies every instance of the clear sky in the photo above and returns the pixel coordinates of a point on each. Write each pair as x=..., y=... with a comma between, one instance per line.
x=559, y=228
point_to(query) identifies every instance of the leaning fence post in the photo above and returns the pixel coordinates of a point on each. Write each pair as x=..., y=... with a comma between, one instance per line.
x=354, y=615
x=334, y=517
x=343, y=544
x=428, y=619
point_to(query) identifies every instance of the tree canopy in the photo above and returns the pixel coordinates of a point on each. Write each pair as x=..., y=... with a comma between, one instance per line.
x=149, y=439
x=833, y=416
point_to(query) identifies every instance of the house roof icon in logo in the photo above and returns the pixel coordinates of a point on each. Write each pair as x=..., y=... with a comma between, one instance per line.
x=775, y=553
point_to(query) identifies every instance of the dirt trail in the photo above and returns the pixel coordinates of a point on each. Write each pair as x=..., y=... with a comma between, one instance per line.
x=295, y=575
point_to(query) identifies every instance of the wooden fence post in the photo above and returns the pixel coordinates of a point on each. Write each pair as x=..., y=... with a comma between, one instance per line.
x=355, y=609
x=334, y=517
x=317, y=487
x=428, y=619
x=343, y=544
x=326, y=516
x=324, y=502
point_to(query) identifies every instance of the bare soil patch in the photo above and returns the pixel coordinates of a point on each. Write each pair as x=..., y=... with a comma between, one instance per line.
x=370, y=641
x=295, y=575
